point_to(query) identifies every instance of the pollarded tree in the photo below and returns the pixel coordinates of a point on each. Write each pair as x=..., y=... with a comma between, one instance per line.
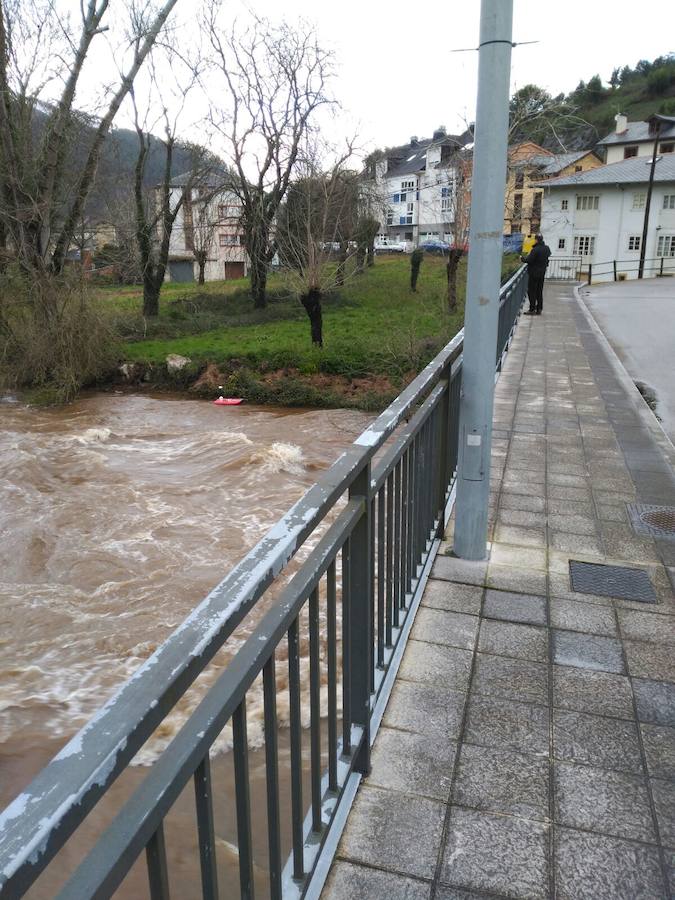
x=274, y=79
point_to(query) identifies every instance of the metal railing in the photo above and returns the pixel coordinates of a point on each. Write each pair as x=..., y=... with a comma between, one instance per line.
x=579, y=268
x=350, y=604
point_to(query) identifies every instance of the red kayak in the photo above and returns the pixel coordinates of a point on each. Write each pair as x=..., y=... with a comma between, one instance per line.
x=228, y=401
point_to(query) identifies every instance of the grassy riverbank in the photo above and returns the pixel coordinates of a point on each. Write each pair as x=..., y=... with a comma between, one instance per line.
x=377, y=335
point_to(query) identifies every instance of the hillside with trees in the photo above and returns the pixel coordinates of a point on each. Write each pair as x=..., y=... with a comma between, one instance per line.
x=579, y=119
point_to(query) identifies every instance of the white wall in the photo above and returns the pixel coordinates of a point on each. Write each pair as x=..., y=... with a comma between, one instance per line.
x=616, y=220
x=428, y=214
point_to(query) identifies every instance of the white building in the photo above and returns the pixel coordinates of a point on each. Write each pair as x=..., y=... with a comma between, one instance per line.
x=209, y=224
x=597, y=217
x=416, y=183
x=630, y=139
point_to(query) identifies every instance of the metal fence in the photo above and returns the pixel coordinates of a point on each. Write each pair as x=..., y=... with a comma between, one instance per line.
x=380, y=511
x=580, y=268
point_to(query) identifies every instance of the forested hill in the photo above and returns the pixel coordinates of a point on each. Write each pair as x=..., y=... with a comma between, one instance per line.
x=585, y=115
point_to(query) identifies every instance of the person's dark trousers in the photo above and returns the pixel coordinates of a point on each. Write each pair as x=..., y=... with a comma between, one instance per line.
x=535, y=292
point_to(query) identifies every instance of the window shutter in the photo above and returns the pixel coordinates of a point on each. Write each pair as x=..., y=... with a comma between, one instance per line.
x=401, y=220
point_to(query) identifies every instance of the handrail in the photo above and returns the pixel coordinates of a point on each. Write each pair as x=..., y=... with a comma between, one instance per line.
x=382, y=550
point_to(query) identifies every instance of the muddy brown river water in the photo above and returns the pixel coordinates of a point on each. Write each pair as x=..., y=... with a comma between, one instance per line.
x=118, y=514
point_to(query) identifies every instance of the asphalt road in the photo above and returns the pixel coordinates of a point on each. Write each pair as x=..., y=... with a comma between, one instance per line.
x=638, y=319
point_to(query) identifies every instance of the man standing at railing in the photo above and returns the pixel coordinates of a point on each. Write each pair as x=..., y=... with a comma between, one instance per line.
x=537, y=260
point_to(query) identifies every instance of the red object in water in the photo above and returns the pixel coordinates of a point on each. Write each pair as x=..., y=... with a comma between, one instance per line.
x=228, y=401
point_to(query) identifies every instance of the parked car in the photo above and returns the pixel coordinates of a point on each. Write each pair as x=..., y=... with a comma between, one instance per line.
x=438, y=247
x=385, y=245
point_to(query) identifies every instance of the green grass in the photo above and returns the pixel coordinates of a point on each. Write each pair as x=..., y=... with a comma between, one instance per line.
x=373, y=326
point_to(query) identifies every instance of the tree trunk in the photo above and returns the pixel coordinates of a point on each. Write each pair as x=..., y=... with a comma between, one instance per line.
x=259, y=283
x=361, y=253
x=371, y=252
x=451, y=269
x=201, y=262
x=151, y=291
x=312, y=303
x=414, y=275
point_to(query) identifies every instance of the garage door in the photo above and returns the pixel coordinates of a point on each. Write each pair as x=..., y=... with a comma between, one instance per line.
x=182, y=270
x=234, y=270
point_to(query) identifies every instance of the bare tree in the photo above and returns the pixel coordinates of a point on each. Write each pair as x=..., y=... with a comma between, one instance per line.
x=320, y=216
x=274, y=77
x=459, y=213
x=204, y=224
x=39, y=49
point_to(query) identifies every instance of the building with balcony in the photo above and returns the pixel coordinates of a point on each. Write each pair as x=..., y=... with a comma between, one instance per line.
x=631, y=139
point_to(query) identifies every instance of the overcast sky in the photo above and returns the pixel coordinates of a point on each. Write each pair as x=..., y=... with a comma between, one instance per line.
x=397, y=75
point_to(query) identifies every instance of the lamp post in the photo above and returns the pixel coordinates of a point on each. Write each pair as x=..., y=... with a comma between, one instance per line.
x=483, y=278
x=648, y=202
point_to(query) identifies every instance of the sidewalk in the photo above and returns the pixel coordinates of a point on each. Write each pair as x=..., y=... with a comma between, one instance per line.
x=528, y=749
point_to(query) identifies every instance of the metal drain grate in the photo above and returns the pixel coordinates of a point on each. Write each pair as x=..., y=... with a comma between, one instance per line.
x=656, y=521
x=611, y=581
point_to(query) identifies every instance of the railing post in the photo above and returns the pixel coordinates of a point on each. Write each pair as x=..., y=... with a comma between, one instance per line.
x=443, y=451
x=614, y=264
x=661, y=268
x=590, y=272
x=360, y=621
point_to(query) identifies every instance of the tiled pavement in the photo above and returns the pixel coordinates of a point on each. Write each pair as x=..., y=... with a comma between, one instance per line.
x=528, y=749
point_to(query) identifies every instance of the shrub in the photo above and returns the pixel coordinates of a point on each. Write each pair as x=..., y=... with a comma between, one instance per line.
x=54, y=337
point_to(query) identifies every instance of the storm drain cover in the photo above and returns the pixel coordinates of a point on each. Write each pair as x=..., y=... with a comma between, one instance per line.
x=611, y=581
x=656, y=521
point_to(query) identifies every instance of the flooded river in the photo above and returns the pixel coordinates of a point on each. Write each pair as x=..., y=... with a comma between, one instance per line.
x=118, y=514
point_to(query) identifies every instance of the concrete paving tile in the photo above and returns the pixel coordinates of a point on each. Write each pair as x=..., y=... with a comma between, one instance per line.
x=347, y=881
x=462, y=598
x=663, y=793
x=509, y=500
x=655, y=701
x=614, y=803
x=434, y=664
x=584, y=690
x=379, y=827
x=450, y=568
x=614, y=497
x=449, y=628
x=521, y=536
x=445, y=892
x=610, y=512
x=520, y=517
x=508, y=725
x=510, y=639
x=502, y=781
x=513, y=607
x=493, y=853
x=562, y=492
x=575, y=543
x=570, y=508
x=572, y=524
x=595, y=867
x=650, y=661
x=574, y=615
x=596, y=741
x=520, y=557
x=425, y=709
x=508, y=578
x=659, y=744
x=510, y=679
x=634, y=551
x=567, y=479
x=413, y=763
x=644, y=626
x=587, y=651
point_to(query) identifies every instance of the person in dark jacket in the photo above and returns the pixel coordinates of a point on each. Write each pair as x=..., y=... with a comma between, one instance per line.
x=537, y=260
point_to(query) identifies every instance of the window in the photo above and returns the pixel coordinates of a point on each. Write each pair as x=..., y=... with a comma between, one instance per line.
x=667, y=148
x=390, y=217
x=446, y=191
x=227, y=212
x=407, y=185
x=629, y=152
x=578, y=168
x=228, y=240
x=669, y=201
x=515, y=229
x=561, y=243
x=520, y=179
x=397, y=198
x=408, y=218
x=517, y=205
x=639, y=200
x=634, y=241
x=584, y=245
x=564, y=204
x=666, y=245
x=588, y=201
x=536, y=206
x=446, y=204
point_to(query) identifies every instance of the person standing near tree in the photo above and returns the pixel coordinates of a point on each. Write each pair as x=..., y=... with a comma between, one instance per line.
x=416, y=258
x=537, y=261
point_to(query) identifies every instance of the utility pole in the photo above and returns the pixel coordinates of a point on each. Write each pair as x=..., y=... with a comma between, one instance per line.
x=648, y=202
x=483, y=278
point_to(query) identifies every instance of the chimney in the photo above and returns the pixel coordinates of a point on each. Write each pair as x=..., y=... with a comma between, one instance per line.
x=621, y=123
x=439, y=133
x=413, y=140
